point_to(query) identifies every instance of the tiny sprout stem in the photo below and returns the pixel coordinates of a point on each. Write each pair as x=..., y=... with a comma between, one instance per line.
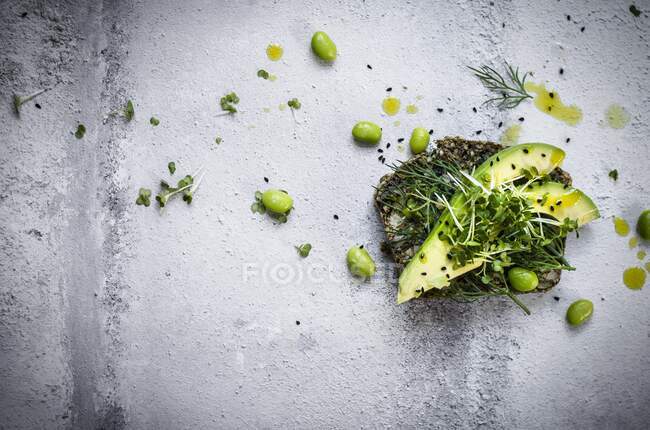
x=33, y=95
x=518, y=302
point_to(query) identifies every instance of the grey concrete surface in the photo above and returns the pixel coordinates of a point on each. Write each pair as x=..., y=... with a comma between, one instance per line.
x=116, y=316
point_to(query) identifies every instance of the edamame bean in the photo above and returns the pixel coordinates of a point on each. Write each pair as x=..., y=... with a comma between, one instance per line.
x=323, y=46
x=643, y=225
x=277, y=201
x=522, y=280
x=419, y=140
x=579, y=311
x=360, y=262
x=366, y=132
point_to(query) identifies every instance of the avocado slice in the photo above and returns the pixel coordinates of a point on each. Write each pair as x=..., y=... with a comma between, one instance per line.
x=561, y=202
x=431, y=266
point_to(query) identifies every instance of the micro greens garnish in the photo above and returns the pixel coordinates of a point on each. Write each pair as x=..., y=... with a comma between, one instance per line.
x=258, y=206
x=263, y=74
x=154, y=121
x=129, y=112
x=304, y=249
x=510, y=89
x=172, y=167
x=218, y=140
x=294, y=104
x=613, y=174
x=144, y=197
x=81, y=131
x=18, y=101
x=187, y=186
x=228, y=101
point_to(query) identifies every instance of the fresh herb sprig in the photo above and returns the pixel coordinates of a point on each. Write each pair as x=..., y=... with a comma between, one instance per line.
x=304, y=250
x=18, y=101
x=228, y=103
x=510, y=89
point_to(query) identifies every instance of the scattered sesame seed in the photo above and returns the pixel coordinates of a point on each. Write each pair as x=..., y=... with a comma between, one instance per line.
x=336, y=216
x=388, y=145
x=400, y=140
x=369, y=66
x=439, y=109
x=500, y=124
x=479, y=131
x=423, y=273
x=474, y=109
x=380, y=150
x=389, y=89
x=568, y=17
x=297, y=322
x=521, y=119
x=38, y=106
x=551, y=95
x=430, y=131
x=582, y=30
x=526, y=151
x=557, y=299
x=568, y=139
x=561, y=71
x=266, y=179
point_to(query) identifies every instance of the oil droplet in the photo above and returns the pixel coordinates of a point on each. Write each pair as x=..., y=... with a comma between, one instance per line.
x=634, y=241
x=397, y=123
x=641, y=255
x=616, y=116
x=634, y=278
x=390, y=105
x=621, y=227
x=273, y=78
x=282, y=106
x=274, y=51
x=411, y=109
x=511, y=135
x=550, y=103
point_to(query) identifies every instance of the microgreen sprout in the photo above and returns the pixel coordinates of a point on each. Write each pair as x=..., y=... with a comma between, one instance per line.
x=258, y=206
x=154, y=121
x=294, y=104
x=263, y=74
x=18, y=101
x=172, y=167
x=187, y=186
x=127, y=112
x=228, y=101
x=81, y=131
x=304, y=249
x=218, y=140
x=144, y=197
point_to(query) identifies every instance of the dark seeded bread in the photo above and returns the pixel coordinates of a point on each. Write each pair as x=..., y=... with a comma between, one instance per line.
x=466, y=154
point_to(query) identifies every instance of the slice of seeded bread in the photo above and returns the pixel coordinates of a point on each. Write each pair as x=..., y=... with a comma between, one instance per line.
x=464, y=153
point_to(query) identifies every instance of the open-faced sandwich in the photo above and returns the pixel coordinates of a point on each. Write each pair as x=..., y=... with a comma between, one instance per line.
x=474, y=219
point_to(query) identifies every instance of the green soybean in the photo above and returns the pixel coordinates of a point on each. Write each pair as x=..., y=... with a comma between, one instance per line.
x=277, y=201
x=419, y=140
x=360, y=262
x=579, y=312
x=522, y=280
x=643, y=225
x=366, y=132
x=323, y=46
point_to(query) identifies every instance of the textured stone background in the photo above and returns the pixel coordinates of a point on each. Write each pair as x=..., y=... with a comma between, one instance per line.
x=114, y=316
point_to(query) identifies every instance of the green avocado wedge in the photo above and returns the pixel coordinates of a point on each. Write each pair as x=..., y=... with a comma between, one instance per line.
x=432, y=267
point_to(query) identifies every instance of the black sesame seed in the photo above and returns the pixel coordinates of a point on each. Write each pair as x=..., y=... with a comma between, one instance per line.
x=297, y=322
x=443, y=268
x=422, y=256
x=557, y=299
x=474, y=109
x=423, y=273
x=551, y=95
x=558, y=203
x=566, y=187
x=539, y=201
x=526, y=151
x=582, y=30
x=500, y=124
x=498, y=159
x=491, y=163
x=360, y=246
x=552, y=208
x=479, y=131
x=369, y=66
x=37, y=105
x=521, y=119
x=447, y=275
x=388, y=145
x=336, y=216
x=389, y=89
x=400, y=140
x=543, y=155
x=561, y=71
x=568, y=139
x=380, y=150
x=513, y=166
x=448, y=256
x=23, y=15
x=431, y=131
x=439, y=109
x=568, y=17
x=550, y=108
x=446, y=222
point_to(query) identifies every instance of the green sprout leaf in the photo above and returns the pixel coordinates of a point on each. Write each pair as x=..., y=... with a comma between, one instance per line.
x=81, y=130
x=144, y=197
x=18, y=101
x=263, y=74
x=614, y=174
x=294, y=104
x=172, y=167
x=228, y=101
x=218, y=140
x=129, y=111
x=304, y=249
x=154, y=121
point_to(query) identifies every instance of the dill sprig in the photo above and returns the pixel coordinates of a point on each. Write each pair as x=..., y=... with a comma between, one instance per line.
x=510, y=88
